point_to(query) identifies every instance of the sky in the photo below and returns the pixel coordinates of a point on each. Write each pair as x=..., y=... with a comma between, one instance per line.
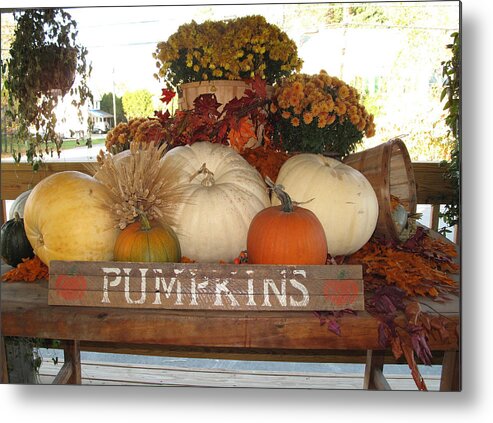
x=121, y=39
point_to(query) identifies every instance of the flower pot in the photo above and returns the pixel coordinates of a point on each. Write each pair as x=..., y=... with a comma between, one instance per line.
x=389, y=170
x=58, y=66
x=224, y=90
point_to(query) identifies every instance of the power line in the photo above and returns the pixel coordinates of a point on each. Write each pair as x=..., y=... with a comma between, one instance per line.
x=117, y=24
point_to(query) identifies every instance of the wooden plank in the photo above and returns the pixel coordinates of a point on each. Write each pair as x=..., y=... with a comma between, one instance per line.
x=4, y=372
x=70, y=373
x=451, y=372
x=300, y=355
x=431, y=186
x=16, y=178
x=202, y=301
x=374, y=378
x=64, y=374
x=102, y=373
x=4, y=212
x=435, y=216
x=379, y=381
x=71, y=353
x=25, y=312
x=19, y=177
x=206, y=286
x=199, y=270
x=172, y=376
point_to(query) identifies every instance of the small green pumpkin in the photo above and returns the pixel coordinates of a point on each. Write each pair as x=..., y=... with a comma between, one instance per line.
x=14, y=243
x=141, y=241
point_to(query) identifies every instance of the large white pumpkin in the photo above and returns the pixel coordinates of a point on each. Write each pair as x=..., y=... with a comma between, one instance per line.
x=340, y=196
x=213, y=219
x=65, y=218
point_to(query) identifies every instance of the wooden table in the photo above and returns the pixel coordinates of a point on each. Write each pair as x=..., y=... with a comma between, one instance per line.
x=282, y=336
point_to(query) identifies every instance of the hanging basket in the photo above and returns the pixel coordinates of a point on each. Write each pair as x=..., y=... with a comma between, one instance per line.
x=389, y=170
x=58, y=66
x=224, y=90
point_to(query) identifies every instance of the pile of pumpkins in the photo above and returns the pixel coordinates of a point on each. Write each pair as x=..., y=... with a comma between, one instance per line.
x=317, y=206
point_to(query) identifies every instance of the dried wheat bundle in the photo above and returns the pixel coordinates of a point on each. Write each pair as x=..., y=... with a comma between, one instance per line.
x=138, y=182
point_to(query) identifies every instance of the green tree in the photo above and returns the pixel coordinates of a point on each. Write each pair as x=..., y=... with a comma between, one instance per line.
x=408, y=102
x=8, y=125
x=451, y=93
x=138, y=104
x=107, y=106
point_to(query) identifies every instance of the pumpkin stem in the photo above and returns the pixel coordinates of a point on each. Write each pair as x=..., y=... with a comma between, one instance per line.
x=17, y=217
x=144, y=220
x=283, y=196
x=208, y=181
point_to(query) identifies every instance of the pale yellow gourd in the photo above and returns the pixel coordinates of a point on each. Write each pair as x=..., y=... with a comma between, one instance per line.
x=65, y=218
x=222, y=194
x=340, y=196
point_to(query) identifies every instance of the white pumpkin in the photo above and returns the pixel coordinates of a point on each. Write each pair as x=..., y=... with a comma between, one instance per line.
x=65, y=218
x=18, y=204
x=340, y=196
x=219, y=203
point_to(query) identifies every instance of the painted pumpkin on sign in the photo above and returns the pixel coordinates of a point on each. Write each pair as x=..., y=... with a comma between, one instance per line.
x=71, y=287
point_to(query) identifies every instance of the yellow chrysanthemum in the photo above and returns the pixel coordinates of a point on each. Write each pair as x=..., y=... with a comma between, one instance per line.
x=298, y=87
x=331, y=119
x=343, y=92
x=354, y=119
x=307, y=118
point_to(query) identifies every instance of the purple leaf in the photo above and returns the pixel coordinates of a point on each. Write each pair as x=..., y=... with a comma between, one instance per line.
x=420, y=344
x=383, y=336
x=333, y=326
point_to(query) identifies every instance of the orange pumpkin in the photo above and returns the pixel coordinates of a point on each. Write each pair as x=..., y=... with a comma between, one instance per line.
x=286, y=234
x=140, y=241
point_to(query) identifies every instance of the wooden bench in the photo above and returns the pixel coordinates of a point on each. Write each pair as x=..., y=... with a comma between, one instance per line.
x=285, y=336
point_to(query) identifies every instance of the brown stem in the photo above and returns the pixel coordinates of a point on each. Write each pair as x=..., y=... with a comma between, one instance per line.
x=283, y=196
x=208, y=180
x=144, y=220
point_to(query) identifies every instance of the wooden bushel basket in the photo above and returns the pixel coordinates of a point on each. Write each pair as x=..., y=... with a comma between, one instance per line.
x=224, y=90
x=389, y=170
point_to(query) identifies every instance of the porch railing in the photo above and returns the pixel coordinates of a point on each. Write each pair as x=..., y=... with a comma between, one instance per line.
x=432, y=187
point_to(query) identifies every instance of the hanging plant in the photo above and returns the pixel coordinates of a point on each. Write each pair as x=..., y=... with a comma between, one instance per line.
x=45, y=64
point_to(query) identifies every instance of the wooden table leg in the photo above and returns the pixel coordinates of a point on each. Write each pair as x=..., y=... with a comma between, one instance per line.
x=4, y=211
x=70, y=373
x=451, y=377
x=4, y=373
x=374, y=378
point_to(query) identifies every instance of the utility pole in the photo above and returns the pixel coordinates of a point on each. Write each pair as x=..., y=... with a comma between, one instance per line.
x=114, y=98
x=345, y=21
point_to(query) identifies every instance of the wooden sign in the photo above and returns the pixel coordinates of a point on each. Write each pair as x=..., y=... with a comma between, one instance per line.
x=205, y=286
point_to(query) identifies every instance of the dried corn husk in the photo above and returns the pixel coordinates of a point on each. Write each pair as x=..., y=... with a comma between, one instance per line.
x=139, y=183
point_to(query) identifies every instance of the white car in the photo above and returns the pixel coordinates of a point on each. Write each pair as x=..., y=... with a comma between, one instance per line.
x=101, y=127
